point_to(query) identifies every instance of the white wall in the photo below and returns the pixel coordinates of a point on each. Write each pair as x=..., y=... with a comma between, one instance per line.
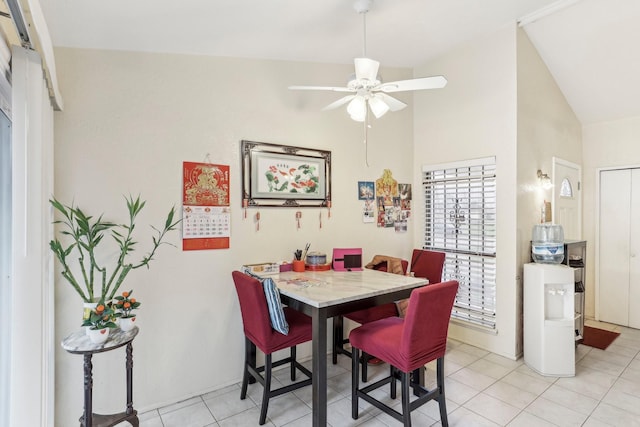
x=547, y=127
x=130, y=120
x=609, y=144
x=475, y=116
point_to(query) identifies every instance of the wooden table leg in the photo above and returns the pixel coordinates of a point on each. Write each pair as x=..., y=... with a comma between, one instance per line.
x=319, y=364
x=338, y=334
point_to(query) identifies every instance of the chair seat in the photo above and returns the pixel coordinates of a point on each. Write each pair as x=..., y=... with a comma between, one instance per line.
x=381, y=338
x=374, y=313
x=299, y=332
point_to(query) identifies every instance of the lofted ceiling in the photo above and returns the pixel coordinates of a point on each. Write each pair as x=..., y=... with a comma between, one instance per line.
x=590, y=46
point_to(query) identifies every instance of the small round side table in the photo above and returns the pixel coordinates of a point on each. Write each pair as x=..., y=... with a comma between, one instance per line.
x=79, y=343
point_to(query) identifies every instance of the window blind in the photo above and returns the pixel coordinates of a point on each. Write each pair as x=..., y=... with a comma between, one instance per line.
x=460, y=208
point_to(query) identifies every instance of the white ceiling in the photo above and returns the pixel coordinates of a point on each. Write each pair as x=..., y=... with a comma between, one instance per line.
x=590, y=46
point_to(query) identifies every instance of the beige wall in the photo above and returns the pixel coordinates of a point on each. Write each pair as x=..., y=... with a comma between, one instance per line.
x=606, y=145
x=475, y=116
x=500, y=101
x=547, y=128
x=130, y=120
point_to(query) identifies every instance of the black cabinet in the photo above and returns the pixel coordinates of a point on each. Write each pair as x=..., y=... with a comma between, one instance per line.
x=575, y=256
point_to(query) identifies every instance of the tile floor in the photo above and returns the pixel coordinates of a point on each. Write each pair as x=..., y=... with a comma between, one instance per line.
x=482, y=389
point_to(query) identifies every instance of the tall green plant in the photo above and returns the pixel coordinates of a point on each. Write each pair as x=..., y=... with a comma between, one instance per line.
x=85, y=235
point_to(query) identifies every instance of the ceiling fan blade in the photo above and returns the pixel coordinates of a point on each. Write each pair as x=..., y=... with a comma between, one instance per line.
x=366, y=69
x=435, y=82
x=331, y=88
x=393, y=103
x=340, y=102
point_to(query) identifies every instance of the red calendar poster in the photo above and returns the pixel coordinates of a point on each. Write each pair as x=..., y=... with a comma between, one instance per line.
x=206, y=216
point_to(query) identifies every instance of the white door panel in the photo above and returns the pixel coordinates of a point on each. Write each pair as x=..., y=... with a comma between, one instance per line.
x=615, y=219
x=634, y=254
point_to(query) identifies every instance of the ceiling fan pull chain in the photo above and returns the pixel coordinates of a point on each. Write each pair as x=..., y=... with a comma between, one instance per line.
x=366, y=137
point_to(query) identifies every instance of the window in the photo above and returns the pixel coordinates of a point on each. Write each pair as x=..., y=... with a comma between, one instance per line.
x=566, y=190
x=460, y=205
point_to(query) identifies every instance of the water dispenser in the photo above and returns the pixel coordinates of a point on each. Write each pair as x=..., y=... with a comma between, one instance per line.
x=549, y=333
x=547, y=244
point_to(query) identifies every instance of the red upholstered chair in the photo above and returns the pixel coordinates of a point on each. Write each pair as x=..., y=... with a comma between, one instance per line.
x=258, y=332
x=427, y=264
x=407, y=344
x=365, y=316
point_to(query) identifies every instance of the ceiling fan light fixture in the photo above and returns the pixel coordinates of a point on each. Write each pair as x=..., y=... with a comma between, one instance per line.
x=378, y=107
x=359, y=118
x=393, y=103
x=357, y=109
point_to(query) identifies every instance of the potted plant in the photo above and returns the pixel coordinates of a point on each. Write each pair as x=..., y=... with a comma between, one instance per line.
x=100, y=320
x=83, y=234
x=125, y=305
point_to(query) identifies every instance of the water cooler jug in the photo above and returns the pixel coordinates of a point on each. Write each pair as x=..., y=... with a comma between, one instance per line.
x=549, y=337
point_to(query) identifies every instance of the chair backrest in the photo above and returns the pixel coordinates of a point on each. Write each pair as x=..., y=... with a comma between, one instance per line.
x=383, y=266
x=426, y=325
x=428, y=264
x=254, y=309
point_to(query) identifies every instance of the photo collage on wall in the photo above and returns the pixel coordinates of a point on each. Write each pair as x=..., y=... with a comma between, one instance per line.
x=391, y=200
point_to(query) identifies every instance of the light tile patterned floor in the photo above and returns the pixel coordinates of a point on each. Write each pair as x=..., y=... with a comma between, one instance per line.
x=482, y=389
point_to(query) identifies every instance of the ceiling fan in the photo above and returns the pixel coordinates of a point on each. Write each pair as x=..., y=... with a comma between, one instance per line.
x=367, y=91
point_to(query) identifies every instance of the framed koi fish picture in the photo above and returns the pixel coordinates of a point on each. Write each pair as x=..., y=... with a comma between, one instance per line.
x=282, y=175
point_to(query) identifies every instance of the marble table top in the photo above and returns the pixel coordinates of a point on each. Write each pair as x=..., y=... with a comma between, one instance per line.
x=326, y=288
x=79, y=342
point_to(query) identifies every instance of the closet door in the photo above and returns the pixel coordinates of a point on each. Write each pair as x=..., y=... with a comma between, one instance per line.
x=634, y=251
x=615, y=221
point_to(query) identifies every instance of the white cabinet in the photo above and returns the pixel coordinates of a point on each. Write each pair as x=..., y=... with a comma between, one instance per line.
x=618, y=281
x=549, y=319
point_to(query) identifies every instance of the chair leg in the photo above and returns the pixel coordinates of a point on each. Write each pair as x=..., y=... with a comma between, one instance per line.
x=406, y=407
x=418, y=378
x=355, y=356
x=245, y=375
x=293, y=363
x=441, y=399
x=338, y=337
x=392, y=374
x=415, y=381
x=267, y=389
x=365, y=362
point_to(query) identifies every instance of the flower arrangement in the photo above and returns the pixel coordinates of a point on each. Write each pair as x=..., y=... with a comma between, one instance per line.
x=83, y=235
x=100, y=317
x=125, y=305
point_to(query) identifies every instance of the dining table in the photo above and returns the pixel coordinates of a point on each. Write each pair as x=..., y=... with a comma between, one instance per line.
x=325, y=294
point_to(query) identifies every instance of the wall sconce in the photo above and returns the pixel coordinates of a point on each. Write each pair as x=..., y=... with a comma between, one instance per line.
x=545, y=181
